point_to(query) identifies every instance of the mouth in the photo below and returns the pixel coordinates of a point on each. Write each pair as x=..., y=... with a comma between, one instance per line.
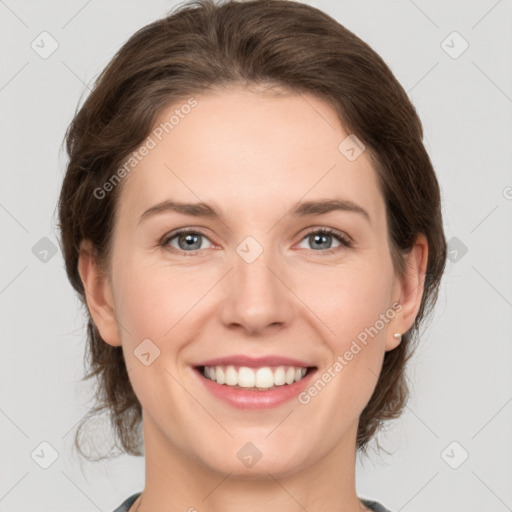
x=261, y=379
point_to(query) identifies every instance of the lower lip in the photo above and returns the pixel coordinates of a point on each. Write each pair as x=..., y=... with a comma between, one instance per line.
x=246, y=399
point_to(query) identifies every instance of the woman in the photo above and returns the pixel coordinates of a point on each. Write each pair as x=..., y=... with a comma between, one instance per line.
x=251, y=219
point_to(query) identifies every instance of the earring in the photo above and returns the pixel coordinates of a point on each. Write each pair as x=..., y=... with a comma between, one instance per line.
x=397, y=336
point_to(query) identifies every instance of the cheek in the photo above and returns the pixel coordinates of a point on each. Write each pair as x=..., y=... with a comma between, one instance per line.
x=154, y=299
x=349, y=300
x=354, y=306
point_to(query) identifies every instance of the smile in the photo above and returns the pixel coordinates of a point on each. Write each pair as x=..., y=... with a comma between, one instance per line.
x=263, y=378
x=255, y=388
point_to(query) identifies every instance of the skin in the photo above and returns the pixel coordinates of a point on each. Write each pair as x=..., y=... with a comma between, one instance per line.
x=253, y=156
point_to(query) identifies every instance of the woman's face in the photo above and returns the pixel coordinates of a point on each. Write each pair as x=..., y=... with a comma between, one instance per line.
x=258, y=279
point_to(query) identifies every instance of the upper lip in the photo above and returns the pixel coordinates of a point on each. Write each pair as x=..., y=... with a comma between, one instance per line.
x=255, y=362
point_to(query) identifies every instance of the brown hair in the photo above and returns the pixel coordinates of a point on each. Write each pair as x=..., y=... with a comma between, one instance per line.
x=203, y=45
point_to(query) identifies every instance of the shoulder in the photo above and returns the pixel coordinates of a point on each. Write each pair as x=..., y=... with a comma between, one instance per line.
x=127, y=503
x=372, y=505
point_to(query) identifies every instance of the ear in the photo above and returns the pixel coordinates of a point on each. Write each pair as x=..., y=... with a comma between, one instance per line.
x=408, y=290
x=98, y=293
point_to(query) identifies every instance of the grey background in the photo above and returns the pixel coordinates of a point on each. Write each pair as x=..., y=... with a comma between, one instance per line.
x=461, y=374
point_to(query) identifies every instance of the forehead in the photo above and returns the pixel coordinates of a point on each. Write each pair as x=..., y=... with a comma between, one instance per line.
x=250, y=151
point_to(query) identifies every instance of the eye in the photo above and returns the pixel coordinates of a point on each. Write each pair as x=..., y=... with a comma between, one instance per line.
x=188, y=241
x=321, y=239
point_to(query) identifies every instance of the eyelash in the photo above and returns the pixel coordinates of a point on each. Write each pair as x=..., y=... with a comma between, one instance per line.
x=341, y=237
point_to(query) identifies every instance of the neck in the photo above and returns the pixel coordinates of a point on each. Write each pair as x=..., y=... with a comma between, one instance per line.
x=177, y=480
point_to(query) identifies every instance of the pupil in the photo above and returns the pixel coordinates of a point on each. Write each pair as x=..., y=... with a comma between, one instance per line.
x=319, y=237
x=189, y=240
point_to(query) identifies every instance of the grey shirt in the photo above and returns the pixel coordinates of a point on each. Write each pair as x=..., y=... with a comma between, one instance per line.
x=372, y=505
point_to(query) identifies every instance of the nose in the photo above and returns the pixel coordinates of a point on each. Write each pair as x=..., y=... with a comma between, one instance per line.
x=257, y=296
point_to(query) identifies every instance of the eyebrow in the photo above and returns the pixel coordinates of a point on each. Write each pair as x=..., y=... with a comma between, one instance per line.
x=302, y=209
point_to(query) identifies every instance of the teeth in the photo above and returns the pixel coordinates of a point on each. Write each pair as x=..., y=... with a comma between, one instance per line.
x=259, y=378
